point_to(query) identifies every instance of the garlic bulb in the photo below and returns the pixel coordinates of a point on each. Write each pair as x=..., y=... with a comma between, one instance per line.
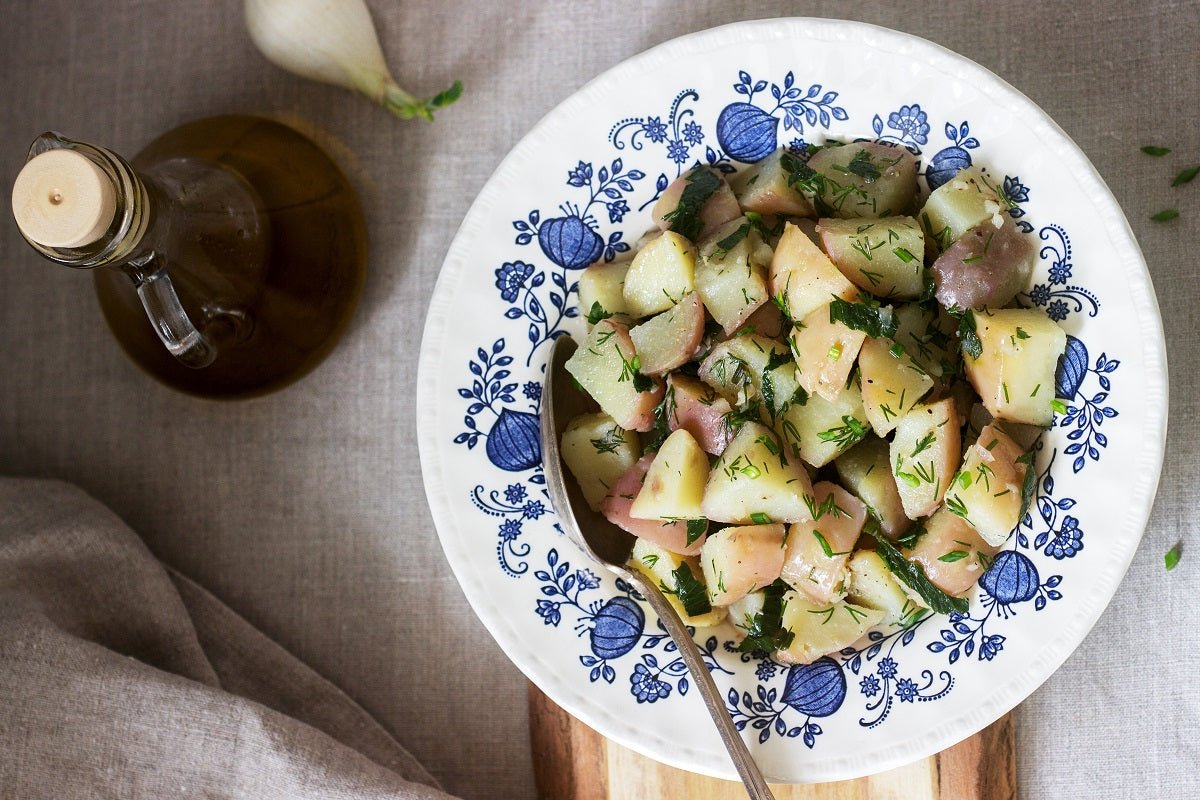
x=334, y=41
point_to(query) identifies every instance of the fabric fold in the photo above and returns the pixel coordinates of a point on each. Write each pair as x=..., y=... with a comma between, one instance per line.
x=122, y=678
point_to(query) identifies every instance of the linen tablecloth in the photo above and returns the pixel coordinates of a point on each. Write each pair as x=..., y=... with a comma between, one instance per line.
x=304, y=510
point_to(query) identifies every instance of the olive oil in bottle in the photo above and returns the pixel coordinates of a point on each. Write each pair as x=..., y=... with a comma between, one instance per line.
x=228, y=255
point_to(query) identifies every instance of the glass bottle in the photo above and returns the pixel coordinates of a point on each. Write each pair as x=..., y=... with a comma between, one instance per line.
x=228, y=255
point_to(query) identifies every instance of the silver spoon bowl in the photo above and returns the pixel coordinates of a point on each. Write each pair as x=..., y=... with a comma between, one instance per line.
x=611, y=547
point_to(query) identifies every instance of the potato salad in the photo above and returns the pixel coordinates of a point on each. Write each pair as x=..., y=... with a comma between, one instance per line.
x=817, y=392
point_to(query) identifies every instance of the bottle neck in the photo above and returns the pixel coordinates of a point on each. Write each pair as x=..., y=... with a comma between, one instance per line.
x=131, y=218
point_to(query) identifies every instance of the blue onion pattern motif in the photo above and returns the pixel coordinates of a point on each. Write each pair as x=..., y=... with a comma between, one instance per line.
x=514, y=442
x=1072, y=368
x=1059, y=298
x=569, y=242
x=748, y=132
x=1012, y=578
x=948, y=162
x=816, y=689
x=618, y=627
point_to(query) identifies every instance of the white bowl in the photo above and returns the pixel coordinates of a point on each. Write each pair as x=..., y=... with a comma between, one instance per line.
x=578, y=187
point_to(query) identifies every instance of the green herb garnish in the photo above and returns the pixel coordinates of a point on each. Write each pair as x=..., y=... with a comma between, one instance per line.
x=759, y=518
x=967, y=333
x=873, y=320
x=915, y=578
x=848, y=433
x=765, y=632
x=1166, y=215
x=597, y=313
x=1029, y=484
x=1171, y=559
x=610, y=441
x=696, y=529
x=685, y=219
x=1151, y=150
x=691, y=592
x=1187, y=176
x=952, y=556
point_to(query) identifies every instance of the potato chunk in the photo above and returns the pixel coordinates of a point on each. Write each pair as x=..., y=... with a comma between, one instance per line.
x=661, y=274
x=820, y=430
x=668, y=340
x=951, y=552
x=803, y=277
x=764, y=189
x=958, y=205
x=674, y=484
x=598, y=452
x=822, y=628
x=872, y=585
x=825, y=353
x=731, y=275
x=818, y=548
x=604, y=367
x=925, y=451
x=738, y=560
x=1014, y=374
x=603, y=285
x=884, y=257
x=892, y=384
x=658, y=565
x=987, y=267
x=987, y=491
x=700, y=411
x=720, y=207
x=753, y=482
x=671, y=535
x=749, y=368
x=863, y=179
x=866, y=471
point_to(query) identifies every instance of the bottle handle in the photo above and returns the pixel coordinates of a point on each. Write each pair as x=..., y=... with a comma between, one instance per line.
x=171, y=321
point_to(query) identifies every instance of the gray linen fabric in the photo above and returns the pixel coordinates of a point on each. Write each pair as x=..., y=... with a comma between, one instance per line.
x=304, y=510
x=121, y=679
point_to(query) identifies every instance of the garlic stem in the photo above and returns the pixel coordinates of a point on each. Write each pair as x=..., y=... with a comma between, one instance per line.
x=335, y=43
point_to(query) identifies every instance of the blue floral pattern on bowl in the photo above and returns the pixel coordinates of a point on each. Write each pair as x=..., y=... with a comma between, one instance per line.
x=611, y=634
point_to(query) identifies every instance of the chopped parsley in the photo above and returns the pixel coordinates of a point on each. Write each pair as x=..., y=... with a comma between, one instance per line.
x=1187, y=176
x=696, y=529
x=764, y=631
x=967, y=333
x=691, y=592
x=631, y=370
x=685, y=219
x=1151, y=150
x=597, y=313
x=1166, y=215
x=1171, y=559
x=913, y=576
x=872, y=319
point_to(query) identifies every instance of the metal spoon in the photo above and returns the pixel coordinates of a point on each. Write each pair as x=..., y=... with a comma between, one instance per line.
x=611, y=546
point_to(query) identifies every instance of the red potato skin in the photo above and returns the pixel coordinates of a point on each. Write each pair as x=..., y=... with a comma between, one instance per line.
x=816, y=578
x=944, y=533
x=721, y=207
x=641, y=417
x=615, y=507
x=705, y=422
x=986, y=267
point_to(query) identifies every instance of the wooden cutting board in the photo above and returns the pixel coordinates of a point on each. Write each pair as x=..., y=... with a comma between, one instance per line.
x=573, y=762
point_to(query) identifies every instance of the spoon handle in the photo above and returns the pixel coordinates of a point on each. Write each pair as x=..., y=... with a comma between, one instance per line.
x=756, y=785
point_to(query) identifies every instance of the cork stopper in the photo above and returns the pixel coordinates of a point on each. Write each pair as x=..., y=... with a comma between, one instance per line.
x=63, y=199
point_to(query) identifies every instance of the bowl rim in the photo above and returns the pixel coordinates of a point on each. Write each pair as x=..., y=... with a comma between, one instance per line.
x=975, y=716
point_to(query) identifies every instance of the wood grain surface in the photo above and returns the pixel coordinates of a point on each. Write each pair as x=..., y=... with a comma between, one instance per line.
x=573, y=762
